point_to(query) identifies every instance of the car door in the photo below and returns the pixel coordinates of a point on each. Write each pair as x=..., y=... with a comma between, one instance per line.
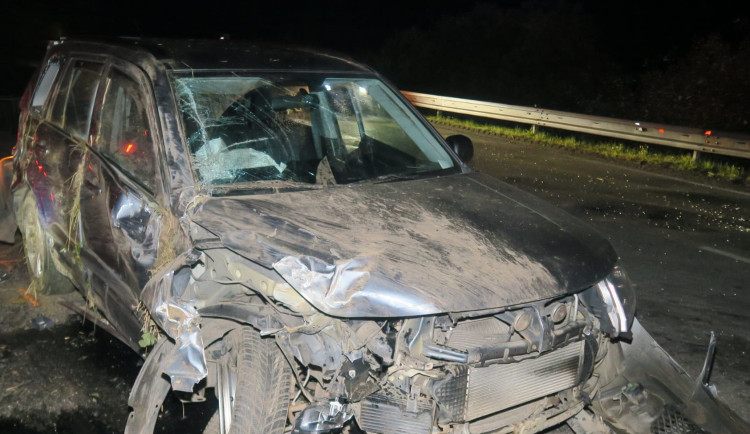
x=54, y=156
x=120, y=225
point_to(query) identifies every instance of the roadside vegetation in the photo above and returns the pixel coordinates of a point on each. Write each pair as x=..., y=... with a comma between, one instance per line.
x=643, y=154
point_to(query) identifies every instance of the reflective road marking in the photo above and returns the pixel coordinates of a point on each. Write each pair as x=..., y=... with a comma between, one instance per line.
x=727, y=254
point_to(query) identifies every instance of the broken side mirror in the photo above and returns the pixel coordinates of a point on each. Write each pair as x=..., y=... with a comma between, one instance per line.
x=462, y=146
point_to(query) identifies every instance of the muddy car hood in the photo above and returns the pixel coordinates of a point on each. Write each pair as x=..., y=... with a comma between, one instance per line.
x=456, y=243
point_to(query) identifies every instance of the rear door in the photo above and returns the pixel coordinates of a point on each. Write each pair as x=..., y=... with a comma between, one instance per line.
x=54, y=156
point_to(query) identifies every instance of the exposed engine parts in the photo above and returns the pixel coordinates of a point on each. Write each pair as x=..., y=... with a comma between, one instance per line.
x=447, y=370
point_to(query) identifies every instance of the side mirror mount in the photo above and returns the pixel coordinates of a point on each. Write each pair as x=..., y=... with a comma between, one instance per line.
x=462, y=146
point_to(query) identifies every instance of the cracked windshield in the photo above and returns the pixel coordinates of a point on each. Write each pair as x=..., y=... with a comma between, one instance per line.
x=303, y=129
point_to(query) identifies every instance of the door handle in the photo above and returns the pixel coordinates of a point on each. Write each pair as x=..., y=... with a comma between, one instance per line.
x=91, y=187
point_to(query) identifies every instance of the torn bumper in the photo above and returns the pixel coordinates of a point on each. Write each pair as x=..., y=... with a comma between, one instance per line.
x=646, y=390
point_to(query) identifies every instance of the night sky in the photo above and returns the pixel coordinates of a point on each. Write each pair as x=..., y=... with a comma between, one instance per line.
x=633, y=35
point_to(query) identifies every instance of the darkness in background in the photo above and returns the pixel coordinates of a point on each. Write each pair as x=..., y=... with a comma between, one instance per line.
x=657, y=61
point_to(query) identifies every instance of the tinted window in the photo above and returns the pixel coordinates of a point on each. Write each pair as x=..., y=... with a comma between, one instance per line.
x=125, y=136
x=75, y=98
x=45, y=84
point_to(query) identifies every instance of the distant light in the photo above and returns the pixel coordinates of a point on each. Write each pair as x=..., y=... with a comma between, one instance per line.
x=129, y=148
x=708, y=133
x=362, y=90
x=222, y=38
x=661, y=130
x=328, y=87
x=637, y=123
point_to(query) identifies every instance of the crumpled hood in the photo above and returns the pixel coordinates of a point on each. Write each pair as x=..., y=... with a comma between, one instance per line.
x=456, y=243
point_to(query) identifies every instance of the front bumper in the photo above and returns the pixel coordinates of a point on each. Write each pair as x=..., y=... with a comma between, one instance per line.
x=645, y=390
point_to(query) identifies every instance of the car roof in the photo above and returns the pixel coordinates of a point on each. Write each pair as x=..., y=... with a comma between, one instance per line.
x=214, y=54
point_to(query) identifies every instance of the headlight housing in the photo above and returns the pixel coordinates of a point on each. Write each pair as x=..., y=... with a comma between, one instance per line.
x=612, y=300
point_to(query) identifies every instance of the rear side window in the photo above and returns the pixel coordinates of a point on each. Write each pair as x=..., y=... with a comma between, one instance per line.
x=75, y=98
x=125, y=135
x=45, y=84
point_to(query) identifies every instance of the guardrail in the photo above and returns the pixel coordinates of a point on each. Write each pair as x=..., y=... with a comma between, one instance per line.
x=695, y=139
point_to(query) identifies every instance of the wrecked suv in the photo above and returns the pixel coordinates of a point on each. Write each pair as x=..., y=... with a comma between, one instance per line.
x=281, y=228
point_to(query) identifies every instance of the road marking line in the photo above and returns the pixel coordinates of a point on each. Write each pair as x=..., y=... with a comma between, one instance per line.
x=727, y=254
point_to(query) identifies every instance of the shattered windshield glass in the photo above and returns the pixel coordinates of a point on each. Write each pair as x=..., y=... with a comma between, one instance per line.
x=304, y=128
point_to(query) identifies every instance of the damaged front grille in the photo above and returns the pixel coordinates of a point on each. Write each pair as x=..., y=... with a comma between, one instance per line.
x=477, y=333
x=491, y=363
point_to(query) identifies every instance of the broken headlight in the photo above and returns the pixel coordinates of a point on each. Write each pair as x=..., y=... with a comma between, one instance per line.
x=612, y=300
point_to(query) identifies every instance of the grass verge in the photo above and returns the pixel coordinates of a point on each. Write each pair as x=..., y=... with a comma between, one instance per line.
x=643, y=154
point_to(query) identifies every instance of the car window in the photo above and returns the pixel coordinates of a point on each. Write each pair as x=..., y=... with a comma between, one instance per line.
x=124, y=135
x=75, y=98
x=363, y=110
x=302, y=127
x=45, y=83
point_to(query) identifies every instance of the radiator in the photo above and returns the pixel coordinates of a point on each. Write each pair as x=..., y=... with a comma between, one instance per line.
x=388, y=415
x=474, y=392
x=498, y=387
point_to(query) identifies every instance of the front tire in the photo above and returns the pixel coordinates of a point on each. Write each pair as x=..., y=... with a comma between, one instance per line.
x=262, y=382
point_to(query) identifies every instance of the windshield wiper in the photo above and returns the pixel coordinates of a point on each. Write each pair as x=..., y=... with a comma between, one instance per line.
x=261, y=186
x=396, y=177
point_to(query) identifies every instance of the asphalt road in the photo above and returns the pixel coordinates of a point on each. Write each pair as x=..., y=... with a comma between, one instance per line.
x=685, y=243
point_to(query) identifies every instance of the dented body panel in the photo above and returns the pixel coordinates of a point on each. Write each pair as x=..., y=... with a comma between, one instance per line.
x=403, y=248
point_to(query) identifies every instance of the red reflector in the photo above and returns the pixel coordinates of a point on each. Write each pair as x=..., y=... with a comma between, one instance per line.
x=661, y=130
x=708, y=133
x=129, y=148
